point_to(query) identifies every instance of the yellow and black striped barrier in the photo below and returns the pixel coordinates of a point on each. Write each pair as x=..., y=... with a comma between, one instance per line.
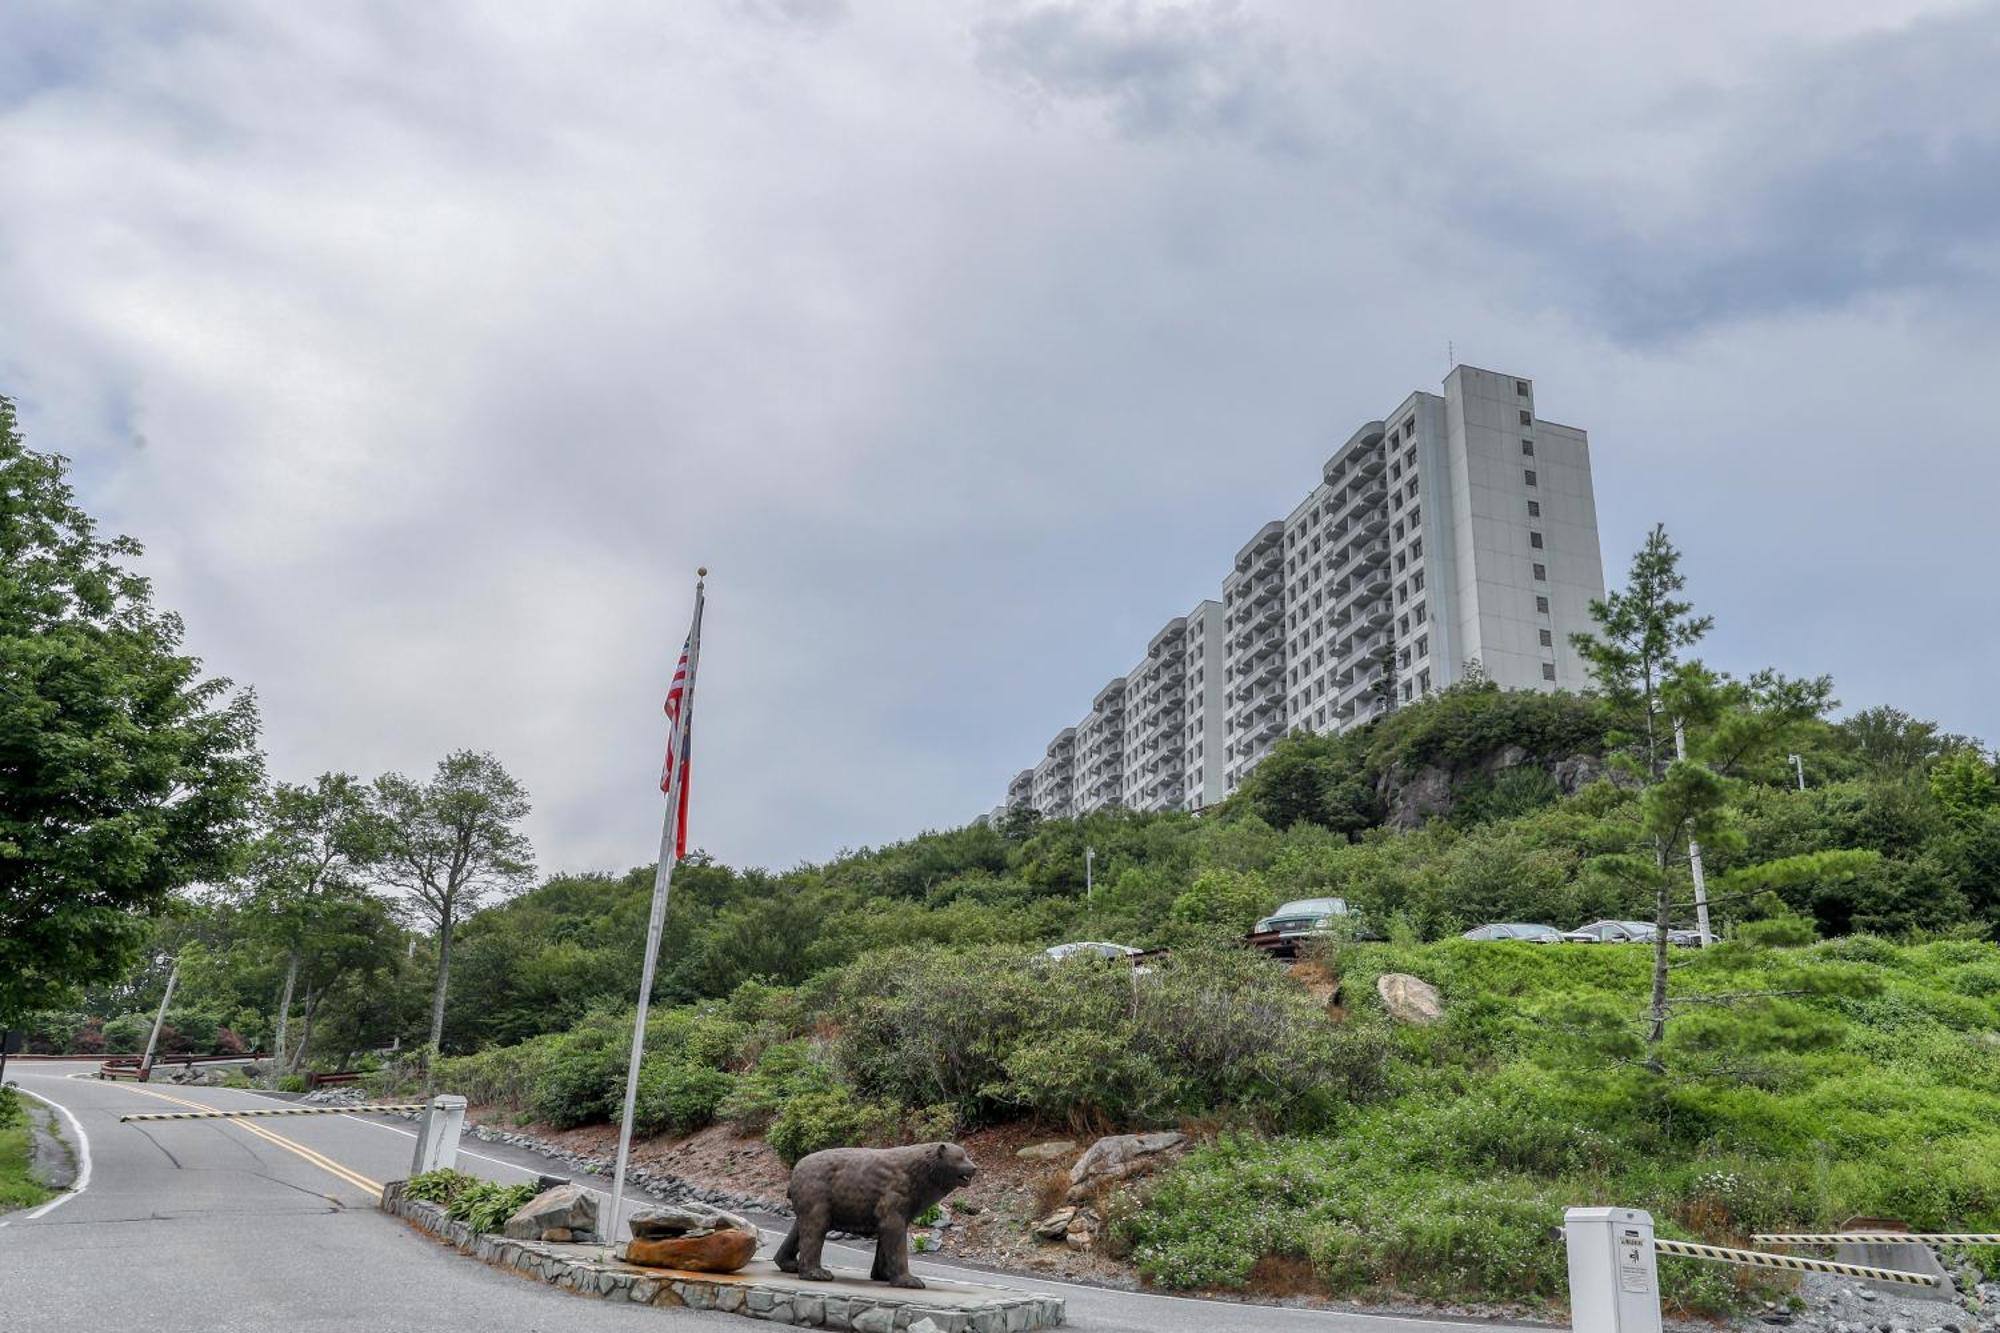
x=1881, y=1238
x=1758, y=1259
x=266, y=1111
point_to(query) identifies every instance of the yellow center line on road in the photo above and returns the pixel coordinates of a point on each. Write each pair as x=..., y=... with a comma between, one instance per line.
x=319, y=1160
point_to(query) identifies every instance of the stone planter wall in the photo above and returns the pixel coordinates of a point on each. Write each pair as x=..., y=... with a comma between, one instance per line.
x=759, y=1292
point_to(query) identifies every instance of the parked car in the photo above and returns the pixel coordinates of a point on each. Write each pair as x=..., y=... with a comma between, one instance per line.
x=1611, y=932
x=1101, y=948
x=1281, y=933
x=1515, y=930
x=1687, y=939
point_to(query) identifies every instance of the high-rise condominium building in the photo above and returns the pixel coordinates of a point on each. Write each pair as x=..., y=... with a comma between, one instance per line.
x=1457, y=534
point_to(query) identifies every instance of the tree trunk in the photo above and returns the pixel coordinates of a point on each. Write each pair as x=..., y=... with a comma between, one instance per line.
x=1656, y=1033
x=437, y=995
x=284, y=1013
x=306, y=1026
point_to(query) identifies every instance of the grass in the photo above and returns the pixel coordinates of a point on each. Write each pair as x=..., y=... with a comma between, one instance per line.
x=17, y=1188
x=1868, y=1099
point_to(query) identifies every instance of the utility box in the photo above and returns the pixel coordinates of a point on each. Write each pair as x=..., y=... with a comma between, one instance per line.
x=1614, y=1286
x=437, y=1134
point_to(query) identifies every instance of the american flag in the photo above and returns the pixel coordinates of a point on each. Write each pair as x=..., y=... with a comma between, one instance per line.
x=680, y=725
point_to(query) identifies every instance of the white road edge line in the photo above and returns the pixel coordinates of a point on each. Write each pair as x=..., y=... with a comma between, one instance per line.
x=975, y=1273
x=82, y=1181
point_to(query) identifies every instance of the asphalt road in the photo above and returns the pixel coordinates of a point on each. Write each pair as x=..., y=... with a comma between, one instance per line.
x=259, y=1225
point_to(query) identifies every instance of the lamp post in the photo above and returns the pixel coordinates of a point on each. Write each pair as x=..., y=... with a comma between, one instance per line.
x=1799, y=767
x=1089, y=878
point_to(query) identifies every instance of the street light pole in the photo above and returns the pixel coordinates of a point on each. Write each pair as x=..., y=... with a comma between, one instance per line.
x=1799, y=767
x=1089, y=879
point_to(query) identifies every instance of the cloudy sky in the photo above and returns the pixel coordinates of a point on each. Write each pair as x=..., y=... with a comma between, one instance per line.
x=429, y=348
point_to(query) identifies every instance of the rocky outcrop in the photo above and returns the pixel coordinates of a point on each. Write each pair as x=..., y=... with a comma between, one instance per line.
x=1412, y=798
x=1118, y=1157
x=564, y=1212
x=1409, y=999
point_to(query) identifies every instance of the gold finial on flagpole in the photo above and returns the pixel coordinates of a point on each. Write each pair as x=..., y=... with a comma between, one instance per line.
x=702, y=572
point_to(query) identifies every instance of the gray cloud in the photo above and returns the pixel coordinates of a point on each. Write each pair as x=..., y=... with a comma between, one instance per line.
x=964, y=352
x=1155, y=69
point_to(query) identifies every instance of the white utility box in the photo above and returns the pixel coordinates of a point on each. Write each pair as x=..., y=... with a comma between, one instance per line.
x=1614, y=1286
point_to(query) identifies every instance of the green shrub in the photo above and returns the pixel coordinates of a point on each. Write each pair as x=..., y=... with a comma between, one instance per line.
x=834, y=1118
x=677, y=1098
x=291, y=1083
x=440, y=1186
x=485, y=1205
x=783, y=1072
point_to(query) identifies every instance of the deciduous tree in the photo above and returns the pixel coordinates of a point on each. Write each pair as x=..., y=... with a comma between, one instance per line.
x=125, y=773
x=450, y=845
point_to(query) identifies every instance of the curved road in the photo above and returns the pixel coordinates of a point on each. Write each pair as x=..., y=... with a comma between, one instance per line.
x=258, y=1225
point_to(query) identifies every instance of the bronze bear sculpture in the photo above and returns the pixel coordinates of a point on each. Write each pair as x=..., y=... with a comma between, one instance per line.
x=870, y=1192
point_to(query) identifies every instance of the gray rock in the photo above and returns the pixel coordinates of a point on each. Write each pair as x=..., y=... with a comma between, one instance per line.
x=565, y=1208
x=1409, y=999
x=1052, y=1151
x=1119, y=1157
x=689, y=1220
x=881, y=1319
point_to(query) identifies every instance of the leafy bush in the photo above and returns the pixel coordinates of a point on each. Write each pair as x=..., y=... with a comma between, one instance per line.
x=833, y=1118
x=485, y=1205
x=292, y=1083
x=676, y=1097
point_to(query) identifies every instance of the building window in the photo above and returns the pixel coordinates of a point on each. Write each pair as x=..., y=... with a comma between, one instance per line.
x=1399, y=562
x=1548, y=671
x=1403, y=625
x=1418, y=614
x=1424, y=681
x=1542, y=605
x=1534, y=509
x=1527, y=417
x=1535, y=540
x=1399, y=529
x=1424, y=646
x=1521, y=388
x=1417, y=581
x=1416, y=517
x=1541, y=573
x=1410, y=426
x=1548, y=639
x=1406, y=691
x=1527, y=448
x=1528, y=475
x=1417, y=549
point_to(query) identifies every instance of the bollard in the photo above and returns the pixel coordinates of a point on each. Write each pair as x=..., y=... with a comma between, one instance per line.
x=437, y=1135
x=1613, y=1285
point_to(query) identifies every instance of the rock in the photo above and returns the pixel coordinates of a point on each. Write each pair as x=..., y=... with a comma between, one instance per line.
x=690, y=1220
x=565, y=1208
x=925, y=1325
x=1118, y=1157
x=722, y=1251
x=1053, y=1150
x=693, y=1237
x=1409, y=999
x=1056, y=1224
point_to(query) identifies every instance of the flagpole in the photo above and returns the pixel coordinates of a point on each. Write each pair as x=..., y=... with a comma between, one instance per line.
x=663, y=878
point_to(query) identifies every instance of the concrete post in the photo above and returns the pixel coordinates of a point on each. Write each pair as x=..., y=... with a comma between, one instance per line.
x=1613, y=1284
x=437, y=1134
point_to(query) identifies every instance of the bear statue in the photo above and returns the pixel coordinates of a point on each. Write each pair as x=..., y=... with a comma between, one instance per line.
x=870, y=1192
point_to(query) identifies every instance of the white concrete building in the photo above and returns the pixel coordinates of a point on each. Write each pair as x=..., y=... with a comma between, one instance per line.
x=1457, y=533
x=1100, y=751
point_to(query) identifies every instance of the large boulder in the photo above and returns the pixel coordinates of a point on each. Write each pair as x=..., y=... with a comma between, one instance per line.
x=1118, y=1157
x=691, y=1237
x=1052, y=1151
x=566, y=1212
x=1409, y=999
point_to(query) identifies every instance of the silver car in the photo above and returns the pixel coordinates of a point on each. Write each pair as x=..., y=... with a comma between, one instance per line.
x=1516, y=930
x=1611, y=932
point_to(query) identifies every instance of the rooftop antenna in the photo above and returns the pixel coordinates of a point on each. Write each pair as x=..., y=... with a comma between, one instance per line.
x=1450, y=356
